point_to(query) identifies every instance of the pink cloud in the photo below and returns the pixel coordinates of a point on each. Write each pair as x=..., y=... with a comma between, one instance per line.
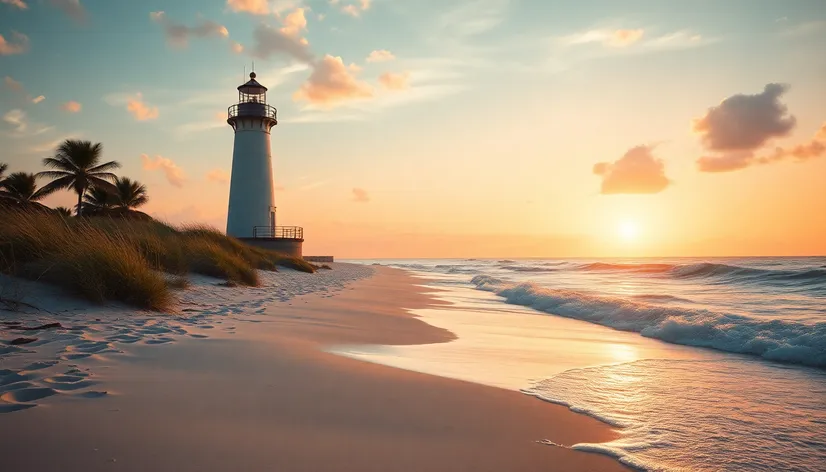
x=332, y=83
x=17, y=45
x=178, y=34
x=72, y=8
x=13, y=84
x=72, y=106
x=637, y=172
x=625, y=37
x=255, y=7
x=218, y=176
x=393, y=81
x=287, y=39
x=16, y=3
x=380, y=55
x=237, y=47
x=174, y=174
x=360, y=195
x=353, y=9
x=745, y=122
x=38, y=99
x=140, y=110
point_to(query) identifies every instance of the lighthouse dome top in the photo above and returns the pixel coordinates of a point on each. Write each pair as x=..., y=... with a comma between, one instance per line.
x=252, y=87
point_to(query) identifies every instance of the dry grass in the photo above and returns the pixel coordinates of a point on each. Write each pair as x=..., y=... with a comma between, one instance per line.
x=113, y=259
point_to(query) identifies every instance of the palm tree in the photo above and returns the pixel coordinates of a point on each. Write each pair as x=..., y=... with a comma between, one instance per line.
x=22, y=188
x=77, y=167
x=63, y=211
x=99, y=198
x=129, y=194
x=3, y=168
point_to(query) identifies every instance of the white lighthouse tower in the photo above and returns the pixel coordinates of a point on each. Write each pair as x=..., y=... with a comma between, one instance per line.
x=251, y=199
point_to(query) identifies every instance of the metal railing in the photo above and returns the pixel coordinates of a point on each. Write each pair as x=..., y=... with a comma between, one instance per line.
x=252, y=109
x=278, y=232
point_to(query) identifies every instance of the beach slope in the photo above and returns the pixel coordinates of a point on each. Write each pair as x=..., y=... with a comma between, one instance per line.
x=265, y=396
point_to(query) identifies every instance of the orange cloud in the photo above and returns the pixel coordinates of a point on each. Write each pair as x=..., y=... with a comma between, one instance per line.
x=625, y=37
x=140, y=110
x=741, y=159
x=178, y=34
x=237, y=47
x=18, y=44
x=73, y=8
x=638, y=171
x=38, y=99
x=72, y=106
x=218, y=176
x=360, y=195
x=294, y=23
x=174, y=174
x=255, y=7
x=286, y=39
x=392, y=81
x=16, y=3
x=352, y=9
x=13, y=84
x=380, y=55
x=332, y=83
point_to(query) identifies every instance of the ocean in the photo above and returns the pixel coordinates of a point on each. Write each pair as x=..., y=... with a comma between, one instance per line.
x=702, y=364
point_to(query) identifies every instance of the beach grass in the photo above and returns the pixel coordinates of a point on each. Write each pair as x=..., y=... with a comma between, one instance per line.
x=119, y=259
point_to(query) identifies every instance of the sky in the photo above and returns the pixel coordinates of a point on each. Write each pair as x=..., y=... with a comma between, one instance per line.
x=464, y=128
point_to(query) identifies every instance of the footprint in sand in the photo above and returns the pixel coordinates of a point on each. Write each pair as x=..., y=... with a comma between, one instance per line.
x=199, y=336
x=40, y=365
x=27, y=395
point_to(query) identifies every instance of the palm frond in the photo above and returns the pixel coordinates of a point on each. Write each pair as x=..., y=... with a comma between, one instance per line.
x=62, y=183
x=54, y=174
x=111, y=165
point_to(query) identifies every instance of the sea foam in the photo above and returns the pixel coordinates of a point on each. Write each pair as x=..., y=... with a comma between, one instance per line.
x=773, y=339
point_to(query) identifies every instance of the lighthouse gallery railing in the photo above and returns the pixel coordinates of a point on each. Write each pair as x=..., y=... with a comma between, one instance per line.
x=252, y=109
x=278, y=232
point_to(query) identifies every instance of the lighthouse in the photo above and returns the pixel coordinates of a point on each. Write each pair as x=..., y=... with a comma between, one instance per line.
x=251, y=214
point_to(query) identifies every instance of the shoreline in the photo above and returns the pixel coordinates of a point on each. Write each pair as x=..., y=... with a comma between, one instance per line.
x=268, y=397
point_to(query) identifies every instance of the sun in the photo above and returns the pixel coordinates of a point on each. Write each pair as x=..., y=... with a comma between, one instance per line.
x=629, y=230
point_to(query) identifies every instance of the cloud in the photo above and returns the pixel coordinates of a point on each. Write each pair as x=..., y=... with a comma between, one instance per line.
x=394, y=81
x=38, y=99
x=255, y=7
x=16, y=3
x=174, y=174
x=72, y=8
x=634, y=40
x=741, y=125
x=140, y=110
x=736, y=160
x=804, y=29
x=17, y=119
x=637, y=172
x=218, y=176
x=332, y=83
x=353, y=9
x=360, y=195
x=178, y=34
x=625, y=37
x=236, y=47
x=18, y=44
x=50, y=146
x=72, y=106
x=287, y=39
x=13, y=84
x=472, y=18
x=380, y=55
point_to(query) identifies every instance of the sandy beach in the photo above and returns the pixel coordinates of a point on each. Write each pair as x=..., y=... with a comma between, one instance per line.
x=239, y=381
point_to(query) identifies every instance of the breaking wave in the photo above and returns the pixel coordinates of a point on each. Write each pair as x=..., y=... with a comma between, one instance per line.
x=774, y=339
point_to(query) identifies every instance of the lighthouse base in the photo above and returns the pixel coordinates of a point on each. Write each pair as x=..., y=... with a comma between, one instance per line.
x=287, y=246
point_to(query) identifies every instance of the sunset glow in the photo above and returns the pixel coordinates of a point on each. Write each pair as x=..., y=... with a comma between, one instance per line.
x=490, y=128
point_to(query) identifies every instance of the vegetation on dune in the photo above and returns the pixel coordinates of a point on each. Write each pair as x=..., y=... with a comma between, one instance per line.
x=123, y=259
x=111, y=251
